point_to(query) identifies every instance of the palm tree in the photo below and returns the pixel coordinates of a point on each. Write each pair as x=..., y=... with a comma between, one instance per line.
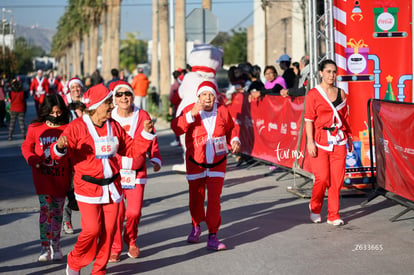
x=165, y=82
x=180, y=42
x=154, y=57
x=91, y=15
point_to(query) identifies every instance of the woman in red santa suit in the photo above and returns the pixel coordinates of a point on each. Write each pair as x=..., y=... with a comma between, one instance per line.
x=75, y=87
x=38, y=89
x=209, y=128
x=328, y=132
x=133, y=170
x=54, y=84
x=92, y=142
x=51, y=178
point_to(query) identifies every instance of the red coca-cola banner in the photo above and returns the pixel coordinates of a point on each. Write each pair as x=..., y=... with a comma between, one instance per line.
x=269, y=127
x=394, y=146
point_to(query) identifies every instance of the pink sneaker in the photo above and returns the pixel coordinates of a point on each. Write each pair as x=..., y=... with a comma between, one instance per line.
x=214, y=244
x=194, y=235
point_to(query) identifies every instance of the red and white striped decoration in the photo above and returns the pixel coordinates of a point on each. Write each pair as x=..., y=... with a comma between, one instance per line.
x=339, y=18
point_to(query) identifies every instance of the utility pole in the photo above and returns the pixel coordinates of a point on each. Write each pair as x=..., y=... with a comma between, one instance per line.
x=180, y=40
x=265, y=4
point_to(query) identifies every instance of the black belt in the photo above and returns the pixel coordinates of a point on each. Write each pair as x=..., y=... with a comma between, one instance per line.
x=330, y=129
x=207, y=165
x=100, y=182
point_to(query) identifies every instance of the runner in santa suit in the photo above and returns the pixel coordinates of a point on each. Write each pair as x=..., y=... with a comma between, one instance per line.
x=63, y=86
x=54, y=84
x=204, y=60
x=133, y=170
x=74, y=94
x=328, y=132
x=51, y=178
x=38, y=89
x=92, y=142
x=209, y=129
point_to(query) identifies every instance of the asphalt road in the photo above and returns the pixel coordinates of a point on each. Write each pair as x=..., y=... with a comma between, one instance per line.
x=267, y=229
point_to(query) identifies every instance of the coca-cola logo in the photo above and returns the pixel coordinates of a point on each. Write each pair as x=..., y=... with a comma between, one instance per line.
x=385, y=21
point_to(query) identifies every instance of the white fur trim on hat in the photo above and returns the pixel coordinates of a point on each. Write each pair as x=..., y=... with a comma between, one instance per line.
x=207, y=86
x=207, y=89
x=96, y=105
x=73, y=81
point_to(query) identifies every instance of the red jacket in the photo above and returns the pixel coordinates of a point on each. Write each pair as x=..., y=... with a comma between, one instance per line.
x=51, y=177
x=323, y=114
x=17, y=102
x=81, y=151
x=153, y=153
x=196, y=138
x=39, y=88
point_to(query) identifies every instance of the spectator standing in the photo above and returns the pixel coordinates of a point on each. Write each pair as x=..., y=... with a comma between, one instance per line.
x=92, y=142
x=133, y=171
x=96, y=78
x=257, y=85
x=208, y=129
x=328, y=132
x=301, y=81
x=140, y=84
x=274, y=83
x=122, y=76
x=288, y=73
x=51, y=178
x=17, y=108
x=115, y=77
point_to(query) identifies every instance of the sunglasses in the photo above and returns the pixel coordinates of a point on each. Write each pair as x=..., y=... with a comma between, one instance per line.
x=120, y=94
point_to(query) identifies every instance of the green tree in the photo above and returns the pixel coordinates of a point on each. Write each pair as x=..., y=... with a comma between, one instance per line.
x=234, y=45
x=133, y=51
x=26, y=53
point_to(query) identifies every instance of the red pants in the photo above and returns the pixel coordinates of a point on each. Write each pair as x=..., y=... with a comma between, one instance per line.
x=329, y=171
x=197, y=190
x=134, y=199
x=95, y=239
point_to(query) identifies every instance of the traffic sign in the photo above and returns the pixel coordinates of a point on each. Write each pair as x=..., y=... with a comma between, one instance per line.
x=202, y=25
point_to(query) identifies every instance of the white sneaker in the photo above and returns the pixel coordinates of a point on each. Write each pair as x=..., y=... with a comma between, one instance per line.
x=179, y=168
x=44, y=254
x=56, y=252
x=315, y=218
x=67, y=227
x=174, y=143
x=337, y=222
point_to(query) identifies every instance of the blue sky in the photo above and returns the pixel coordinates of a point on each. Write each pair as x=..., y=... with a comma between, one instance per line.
x=135, y=14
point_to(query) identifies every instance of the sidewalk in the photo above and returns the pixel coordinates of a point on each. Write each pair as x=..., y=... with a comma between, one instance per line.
x=266, y=229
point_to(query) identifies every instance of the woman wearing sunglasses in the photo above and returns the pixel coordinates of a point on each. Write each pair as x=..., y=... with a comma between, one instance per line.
x=133, y=170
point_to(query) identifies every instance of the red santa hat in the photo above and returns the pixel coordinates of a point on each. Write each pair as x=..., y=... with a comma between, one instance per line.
x=207, y=86
x=74, y=80
x=95, y=96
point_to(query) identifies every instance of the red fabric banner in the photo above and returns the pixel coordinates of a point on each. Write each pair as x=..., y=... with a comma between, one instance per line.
x=394, y=147
x=269, y=127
